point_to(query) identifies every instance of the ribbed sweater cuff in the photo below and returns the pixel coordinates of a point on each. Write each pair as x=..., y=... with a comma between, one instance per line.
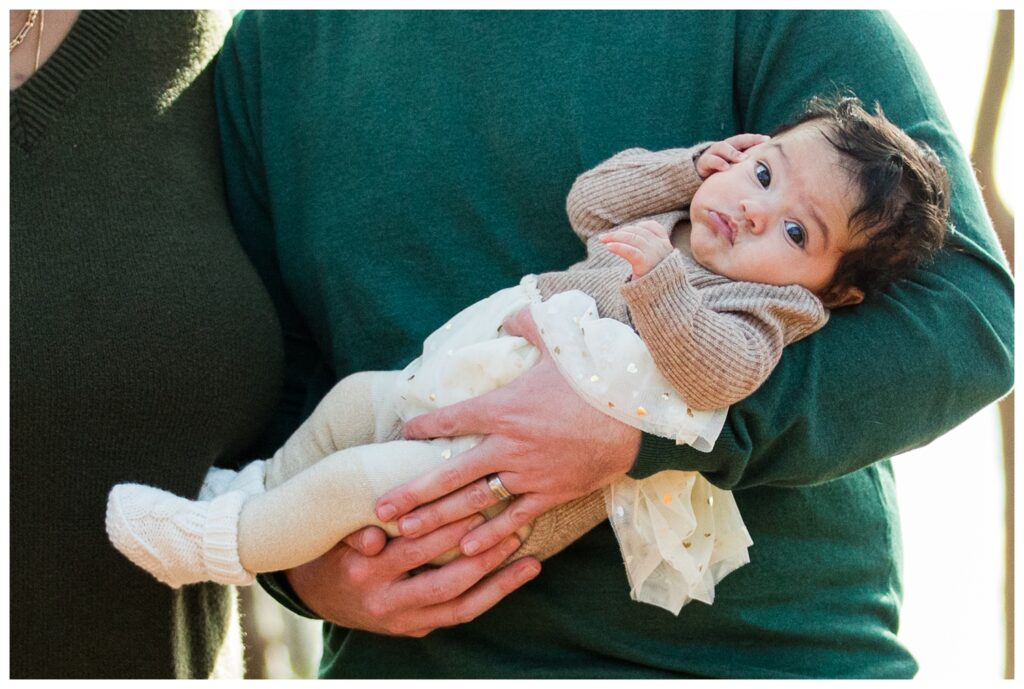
x=660, y=454
x=276, y=584
x=723, y=466
x=686, y=180
x=657, y=454
x=665, y=290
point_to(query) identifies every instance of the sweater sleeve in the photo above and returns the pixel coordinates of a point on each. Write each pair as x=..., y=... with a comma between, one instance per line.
x=632, y=185
x=717, y=344
x=890, y=374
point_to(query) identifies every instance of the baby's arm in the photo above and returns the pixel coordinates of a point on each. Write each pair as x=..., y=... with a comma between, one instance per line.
x=638, y=183
x=716, y=341
x=631, y=185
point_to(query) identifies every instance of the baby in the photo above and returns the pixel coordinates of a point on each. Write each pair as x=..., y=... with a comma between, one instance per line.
x=703, y=263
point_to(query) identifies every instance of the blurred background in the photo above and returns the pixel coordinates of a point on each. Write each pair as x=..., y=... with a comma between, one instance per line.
x=956, y=494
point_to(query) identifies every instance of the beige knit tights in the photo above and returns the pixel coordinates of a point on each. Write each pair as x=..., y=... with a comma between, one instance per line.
x=323, y=483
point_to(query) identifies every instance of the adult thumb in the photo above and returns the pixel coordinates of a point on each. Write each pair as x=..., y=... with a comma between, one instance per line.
x=521, y=324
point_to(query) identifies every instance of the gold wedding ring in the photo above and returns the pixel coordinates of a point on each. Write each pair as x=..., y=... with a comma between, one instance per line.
x=498, y=488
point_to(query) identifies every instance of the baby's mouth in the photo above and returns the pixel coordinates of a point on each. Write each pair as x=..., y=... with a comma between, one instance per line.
x=723, y=226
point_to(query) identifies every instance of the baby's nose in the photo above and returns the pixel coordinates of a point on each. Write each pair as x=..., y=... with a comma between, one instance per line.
x=754, y=219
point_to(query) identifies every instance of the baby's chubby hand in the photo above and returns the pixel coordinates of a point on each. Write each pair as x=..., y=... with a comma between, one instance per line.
x=644, y=244
x=720, y=155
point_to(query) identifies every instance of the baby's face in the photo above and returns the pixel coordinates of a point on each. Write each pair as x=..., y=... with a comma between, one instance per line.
x=780, y=217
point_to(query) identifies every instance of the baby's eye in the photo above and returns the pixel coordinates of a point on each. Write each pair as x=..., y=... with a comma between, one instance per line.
x=763, y=174
x=796, y=234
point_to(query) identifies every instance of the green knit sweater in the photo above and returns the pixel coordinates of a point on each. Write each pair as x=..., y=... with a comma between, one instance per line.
x=388, y=169
x=143, y=345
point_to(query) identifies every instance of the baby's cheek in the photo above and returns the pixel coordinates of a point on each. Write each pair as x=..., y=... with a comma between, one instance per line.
x=700, y=247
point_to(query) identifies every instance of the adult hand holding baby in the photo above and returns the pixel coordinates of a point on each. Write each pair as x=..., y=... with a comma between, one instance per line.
x=364, y=584
x=545, y=444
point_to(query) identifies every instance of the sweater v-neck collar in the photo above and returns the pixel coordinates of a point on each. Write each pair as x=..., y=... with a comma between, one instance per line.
x=41, y=100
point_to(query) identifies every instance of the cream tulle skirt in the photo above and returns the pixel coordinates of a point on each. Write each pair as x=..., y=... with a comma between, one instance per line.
x=679, y=535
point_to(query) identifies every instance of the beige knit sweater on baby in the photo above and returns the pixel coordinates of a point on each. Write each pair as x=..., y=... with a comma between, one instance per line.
x=714, y=339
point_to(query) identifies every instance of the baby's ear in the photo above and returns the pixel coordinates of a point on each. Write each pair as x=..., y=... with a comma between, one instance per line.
x=838, y=297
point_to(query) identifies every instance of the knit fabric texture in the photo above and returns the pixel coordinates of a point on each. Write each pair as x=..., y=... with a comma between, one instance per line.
x=143, y=346
x=389, y=169
x=714, y=339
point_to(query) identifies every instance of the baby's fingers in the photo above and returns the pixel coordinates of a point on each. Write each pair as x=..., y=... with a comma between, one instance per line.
x=709, y=163
x=646, y=230
x=742, y=142
x=631, y=253
x=623, y=236
x=726, y=151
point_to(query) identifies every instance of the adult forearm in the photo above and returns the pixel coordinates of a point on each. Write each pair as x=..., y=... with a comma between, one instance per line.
x=873, y=383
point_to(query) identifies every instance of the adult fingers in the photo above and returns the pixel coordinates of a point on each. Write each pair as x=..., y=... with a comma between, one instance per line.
x=462, y=503
x=521, y=324
x=520, y=512
x=314, y=581
x=493, y=589
x=406, y=554
x=469, y=417
x=480, y=598
x=368, y=541
x=446, y=583
x=458, y=472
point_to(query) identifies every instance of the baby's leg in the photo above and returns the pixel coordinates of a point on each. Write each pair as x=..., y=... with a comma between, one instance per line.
x=359, y=410
x=238, y=533
x=309, y=513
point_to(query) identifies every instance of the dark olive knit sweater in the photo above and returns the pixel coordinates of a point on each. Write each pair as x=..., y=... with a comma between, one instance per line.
x=394, y=167
x=143, y=345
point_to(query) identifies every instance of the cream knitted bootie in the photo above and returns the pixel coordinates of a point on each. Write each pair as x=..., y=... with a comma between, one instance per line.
x=249, y=480
x=176, y=540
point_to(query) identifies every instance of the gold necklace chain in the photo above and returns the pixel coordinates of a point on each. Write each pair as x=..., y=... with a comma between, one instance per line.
x=20, y=38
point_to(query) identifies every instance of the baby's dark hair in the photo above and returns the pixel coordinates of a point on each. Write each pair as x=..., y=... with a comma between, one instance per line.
x=904, y=194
